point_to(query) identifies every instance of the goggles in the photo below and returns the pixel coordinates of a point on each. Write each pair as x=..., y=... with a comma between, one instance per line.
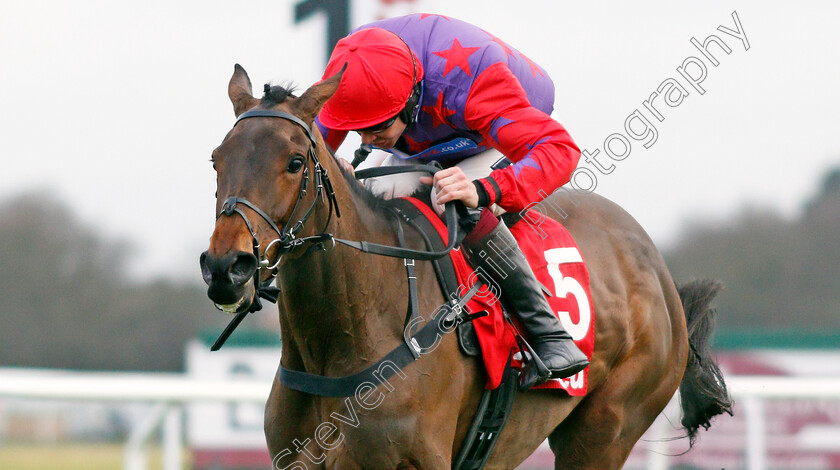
x=381, y=126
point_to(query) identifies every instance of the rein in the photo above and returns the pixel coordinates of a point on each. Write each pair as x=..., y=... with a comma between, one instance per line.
x=288, y=240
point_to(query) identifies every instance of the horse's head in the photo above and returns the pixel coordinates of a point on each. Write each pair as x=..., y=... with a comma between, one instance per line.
x=268, y=182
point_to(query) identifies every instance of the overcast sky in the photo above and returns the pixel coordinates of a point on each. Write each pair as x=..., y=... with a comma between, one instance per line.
x=116, y=106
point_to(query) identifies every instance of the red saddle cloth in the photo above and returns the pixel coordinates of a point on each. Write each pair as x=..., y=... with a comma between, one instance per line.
x=558, y=265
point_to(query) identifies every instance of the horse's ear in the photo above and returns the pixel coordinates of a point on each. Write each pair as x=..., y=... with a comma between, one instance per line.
x=239, y=91
x=310, y=102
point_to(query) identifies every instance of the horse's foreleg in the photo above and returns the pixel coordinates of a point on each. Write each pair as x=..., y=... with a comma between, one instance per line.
x=289, y=428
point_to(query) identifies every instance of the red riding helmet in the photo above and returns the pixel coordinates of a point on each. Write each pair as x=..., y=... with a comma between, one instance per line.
x=380, y=76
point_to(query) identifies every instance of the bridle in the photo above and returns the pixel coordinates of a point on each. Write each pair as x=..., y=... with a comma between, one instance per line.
x=287, y=236
x=286, y=240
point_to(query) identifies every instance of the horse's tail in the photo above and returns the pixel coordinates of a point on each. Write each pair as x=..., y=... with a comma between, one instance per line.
x=703, y=393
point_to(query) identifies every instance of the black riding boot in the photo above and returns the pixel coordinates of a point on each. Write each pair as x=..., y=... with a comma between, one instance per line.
x=499, y=257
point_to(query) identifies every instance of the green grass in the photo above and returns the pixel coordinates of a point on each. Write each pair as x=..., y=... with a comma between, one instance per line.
x=71, y=456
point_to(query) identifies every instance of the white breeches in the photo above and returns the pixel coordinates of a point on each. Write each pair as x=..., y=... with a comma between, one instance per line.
x=405, y=184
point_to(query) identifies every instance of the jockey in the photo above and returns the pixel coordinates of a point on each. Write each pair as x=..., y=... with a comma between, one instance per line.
x=429, y=87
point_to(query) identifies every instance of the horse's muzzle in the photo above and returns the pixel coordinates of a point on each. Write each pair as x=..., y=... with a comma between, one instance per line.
x=229, y=279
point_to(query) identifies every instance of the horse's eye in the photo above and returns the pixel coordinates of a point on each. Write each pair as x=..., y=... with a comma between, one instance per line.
x=295, y=164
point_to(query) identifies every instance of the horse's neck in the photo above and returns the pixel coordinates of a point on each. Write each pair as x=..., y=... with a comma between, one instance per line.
x=341, y=306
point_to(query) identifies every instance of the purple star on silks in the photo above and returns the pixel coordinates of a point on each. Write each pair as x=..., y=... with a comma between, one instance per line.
x=528, y=161
x=531, y=146
x=497, y=124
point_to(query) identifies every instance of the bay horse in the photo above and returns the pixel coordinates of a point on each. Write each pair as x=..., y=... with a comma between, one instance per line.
x=341, y=310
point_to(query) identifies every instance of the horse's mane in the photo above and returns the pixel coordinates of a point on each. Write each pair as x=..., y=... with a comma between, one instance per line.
x=374, y=202
x=276, y=94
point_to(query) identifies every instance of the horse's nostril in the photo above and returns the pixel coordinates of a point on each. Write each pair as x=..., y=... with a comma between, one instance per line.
x=234, y=269
x=243, y=268
x=206, y=273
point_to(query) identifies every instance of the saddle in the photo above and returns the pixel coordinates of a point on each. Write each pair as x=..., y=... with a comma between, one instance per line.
x=556, y=262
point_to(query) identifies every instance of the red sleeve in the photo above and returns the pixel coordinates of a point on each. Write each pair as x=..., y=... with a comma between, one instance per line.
x=332, y=137
x=543, y=153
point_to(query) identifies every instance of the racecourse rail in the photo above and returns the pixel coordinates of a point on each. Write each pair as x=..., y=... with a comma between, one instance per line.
x=170, y=392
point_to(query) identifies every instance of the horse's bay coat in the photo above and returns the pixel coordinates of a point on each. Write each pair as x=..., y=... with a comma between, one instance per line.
x=341, y=310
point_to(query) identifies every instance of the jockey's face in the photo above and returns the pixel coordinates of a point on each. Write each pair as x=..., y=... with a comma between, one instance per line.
x=383, y=137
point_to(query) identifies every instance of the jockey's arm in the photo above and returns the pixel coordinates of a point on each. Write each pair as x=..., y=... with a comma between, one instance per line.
x=543, y=152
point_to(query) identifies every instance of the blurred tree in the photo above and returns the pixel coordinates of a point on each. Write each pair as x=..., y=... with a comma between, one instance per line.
x=777, y=273
x=66, y=302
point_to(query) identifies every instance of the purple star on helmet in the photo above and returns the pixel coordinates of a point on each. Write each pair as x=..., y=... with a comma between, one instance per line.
x=497, y=124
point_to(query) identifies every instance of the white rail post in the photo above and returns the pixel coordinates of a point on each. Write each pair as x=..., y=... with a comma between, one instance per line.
x=4, y=422
x=172, y=445
x=658, y=447
x=135, y=455
x=660, y=444
x=756, y=434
